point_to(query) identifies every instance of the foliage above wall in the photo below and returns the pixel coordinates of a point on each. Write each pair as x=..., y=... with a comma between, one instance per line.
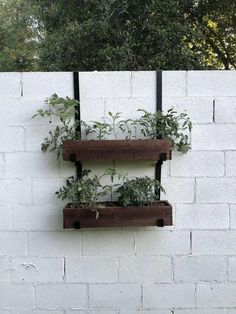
x=18, y=36
x=117, y=35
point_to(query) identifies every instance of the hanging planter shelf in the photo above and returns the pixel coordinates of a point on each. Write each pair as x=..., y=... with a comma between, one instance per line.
x=111, y=214
x=159, y=214
x=117, y=150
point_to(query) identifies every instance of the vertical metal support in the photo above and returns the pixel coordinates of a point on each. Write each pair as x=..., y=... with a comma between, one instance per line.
x=158, y=108
x=77, y=117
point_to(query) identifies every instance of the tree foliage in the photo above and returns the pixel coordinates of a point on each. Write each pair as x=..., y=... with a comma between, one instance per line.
x=18, y=36
x=216, y=22
x=133, y=34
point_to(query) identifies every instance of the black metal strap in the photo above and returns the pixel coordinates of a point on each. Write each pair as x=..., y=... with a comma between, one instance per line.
x=77, y=117
x=158, y=108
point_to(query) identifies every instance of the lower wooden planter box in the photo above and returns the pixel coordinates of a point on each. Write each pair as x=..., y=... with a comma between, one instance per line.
x=159, y=215
x=147, y=149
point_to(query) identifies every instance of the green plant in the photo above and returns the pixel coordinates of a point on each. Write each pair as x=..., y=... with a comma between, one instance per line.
x=128, y=126
x=101, y=129
x=114, y=173
x=65, y=110
x=167, y=125
x=153, y=125
x=83, y=191
x=114, y=117
x=87, y=128
x=138, y=192
x=86, y=190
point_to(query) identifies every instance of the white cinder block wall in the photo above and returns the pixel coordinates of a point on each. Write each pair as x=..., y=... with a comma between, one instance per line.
x=189, y=268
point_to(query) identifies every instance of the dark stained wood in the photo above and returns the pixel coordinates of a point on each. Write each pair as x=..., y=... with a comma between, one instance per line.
x=159, y=214
x=117, y=150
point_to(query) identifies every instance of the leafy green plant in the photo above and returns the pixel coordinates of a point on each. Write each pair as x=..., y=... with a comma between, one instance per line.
x=128, y=127
x=167, y=125
x=86, y=190
x=64, y=109
x=138, y=192
x=83, y=191
x=114, y=173
x=153, y=125
x=114, y=117
x=87, y=128
x=101, y=129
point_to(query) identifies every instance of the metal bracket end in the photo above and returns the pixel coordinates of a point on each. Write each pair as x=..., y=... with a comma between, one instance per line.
x=77, y=225
x=160, y=223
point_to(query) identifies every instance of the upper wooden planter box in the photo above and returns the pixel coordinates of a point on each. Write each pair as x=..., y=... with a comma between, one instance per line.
x=117, y=150
x=159, y=214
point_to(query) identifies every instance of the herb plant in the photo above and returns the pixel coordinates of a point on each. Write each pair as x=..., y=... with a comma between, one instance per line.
x=83, y=191
x=86, y=190
x=112, y=188
x=170, y=125
x=101, y=129
x=138, y=192
x=127, y=127
x=114, y=117
x=64, y=109
x=153, y=125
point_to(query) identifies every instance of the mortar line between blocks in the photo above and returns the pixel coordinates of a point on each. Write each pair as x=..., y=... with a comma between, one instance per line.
x=195, y=295
x=88, y=293
x=32, y=190
x=104, y=107
x=131, y=85
x=4, y=164
x=195, y=191
x=142, y=295
x=24, y=130
x=173, y=269
x=214, y=110
x=225, y=164
x=82, y=244
x=64, y=269
x=13, y=217
x=135, y=243
x=35, y=296
x=10, y=270
x=174, y=217
x=28, y=243
x=186, y=83
x=21, y=85
x=227, y=268
x=118, y=268
x=191, y=242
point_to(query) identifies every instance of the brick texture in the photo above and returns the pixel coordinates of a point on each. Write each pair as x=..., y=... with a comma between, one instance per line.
x=187, y=268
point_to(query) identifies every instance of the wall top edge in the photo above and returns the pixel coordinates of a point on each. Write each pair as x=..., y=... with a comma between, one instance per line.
x=142, y=71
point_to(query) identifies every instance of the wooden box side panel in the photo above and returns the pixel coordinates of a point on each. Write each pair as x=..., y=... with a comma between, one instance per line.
x=118, y=216
x=117, y=150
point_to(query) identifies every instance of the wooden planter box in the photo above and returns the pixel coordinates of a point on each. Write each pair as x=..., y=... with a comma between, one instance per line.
x=117, y=150
x=159, y=214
